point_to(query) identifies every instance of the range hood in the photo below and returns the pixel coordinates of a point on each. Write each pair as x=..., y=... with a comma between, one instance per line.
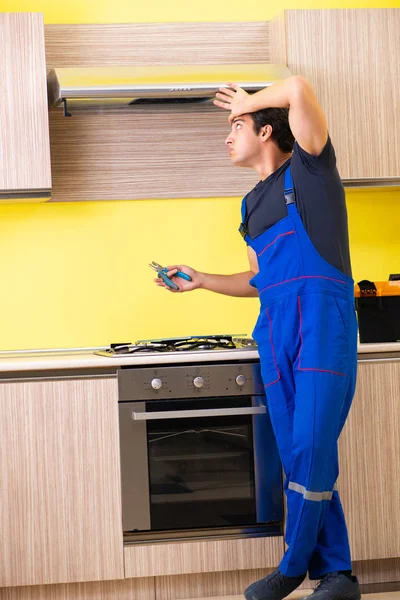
x=162, y=84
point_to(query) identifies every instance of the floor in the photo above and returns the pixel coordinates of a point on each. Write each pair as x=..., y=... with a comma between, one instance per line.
x=377, y=596
x=301, y=593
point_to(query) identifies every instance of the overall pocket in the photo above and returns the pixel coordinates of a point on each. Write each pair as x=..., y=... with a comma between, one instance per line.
x=323, y=332
x=275, y=259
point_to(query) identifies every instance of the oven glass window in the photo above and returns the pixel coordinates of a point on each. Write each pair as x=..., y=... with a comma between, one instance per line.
x=201, y=469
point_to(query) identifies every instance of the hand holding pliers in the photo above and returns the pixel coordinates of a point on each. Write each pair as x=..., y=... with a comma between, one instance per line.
x=162, y=274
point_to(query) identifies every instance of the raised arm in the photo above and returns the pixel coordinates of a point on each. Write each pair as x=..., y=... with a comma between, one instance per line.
x=306, y=117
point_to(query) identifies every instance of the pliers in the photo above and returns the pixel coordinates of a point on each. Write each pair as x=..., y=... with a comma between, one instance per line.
x=162, y=273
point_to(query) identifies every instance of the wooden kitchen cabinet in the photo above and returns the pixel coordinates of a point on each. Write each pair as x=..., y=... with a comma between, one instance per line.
x=25, y=170
x=60, y=491
x=351, y=58
x=370, y=462
x=203, y=556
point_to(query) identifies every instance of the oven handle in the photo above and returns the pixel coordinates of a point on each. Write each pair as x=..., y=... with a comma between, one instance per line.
x=211, y=412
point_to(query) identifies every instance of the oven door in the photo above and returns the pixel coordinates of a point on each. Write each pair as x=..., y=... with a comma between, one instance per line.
x=206, y=463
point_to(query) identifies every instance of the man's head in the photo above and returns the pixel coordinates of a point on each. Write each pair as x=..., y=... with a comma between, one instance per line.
x=256, y=135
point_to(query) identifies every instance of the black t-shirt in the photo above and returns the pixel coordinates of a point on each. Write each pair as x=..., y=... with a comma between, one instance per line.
x=320, y=201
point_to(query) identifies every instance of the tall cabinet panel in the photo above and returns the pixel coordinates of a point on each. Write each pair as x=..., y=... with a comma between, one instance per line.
x=25, y=171
x=370, y=463
x=351, y=57
x=60, y=493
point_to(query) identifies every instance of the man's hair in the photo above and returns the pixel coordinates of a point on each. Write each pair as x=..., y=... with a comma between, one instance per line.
x=278, y=118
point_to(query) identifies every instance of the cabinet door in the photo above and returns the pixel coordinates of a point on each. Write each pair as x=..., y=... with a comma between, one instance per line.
x=60, y=497
x=25, y=171
x=370, y=463
x=351, y=58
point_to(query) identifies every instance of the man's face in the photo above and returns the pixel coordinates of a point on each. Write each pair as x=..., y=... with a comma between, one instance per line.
x=244, y=145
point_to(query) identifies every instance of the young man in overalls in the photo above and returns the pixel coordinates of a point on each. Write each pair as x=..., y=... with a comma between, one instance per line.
x=294, y=222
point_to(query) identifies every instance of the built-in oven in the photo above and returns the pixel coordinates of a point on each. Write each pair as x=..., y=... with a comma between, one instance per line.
x=198, y=455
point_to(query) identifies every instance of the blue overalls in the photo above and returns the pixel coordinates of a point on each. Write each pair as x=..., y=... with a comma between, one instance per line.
x=307, y=340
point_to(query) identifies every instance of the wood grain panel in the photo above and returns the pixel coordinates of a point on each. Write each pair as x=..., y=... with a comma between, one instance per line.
x=24, y=126
x=351, y=59
x=128, y=589
x=157, y=44
x=144, y=153
x=377, y=571
x=370, y=463
x=202, y=556
x=60, y=497
x=277, y=37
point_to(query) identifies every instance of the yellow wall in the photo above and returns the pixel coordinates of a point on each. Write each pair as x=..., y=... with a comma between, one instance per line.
x=157, y=11
x=76, y=274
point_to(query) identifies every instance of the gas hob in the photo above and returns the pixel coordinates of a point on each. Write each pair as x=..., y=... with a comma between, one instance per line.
x=206, y=343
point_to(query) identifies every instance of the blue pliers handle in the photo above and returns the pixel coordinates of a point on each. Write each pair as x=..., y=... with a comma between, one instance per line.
x=162, y=273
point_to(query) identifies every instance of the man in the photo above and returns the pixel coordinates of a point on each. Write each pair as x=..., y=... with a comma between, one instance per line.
x=294, y=222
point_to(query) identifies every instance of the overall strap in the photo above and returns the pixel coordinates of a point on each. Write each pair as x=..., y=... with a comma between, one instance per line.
x=290, y=197
x=243, y=208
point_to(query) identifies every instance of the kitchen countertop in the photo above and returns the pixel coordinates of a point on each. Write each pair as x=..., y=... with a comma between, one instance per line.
x=86, y=359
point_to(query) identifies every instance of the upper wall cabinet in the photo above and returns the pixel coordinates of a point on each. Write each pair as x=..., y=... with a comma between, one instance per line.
x=177, y=150
x=351, y=58
x=148, y=150
x=25, y=171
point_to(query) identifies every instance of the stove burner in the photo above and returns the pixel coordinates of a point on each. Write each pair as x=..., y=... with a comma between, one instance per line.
x=208, y=342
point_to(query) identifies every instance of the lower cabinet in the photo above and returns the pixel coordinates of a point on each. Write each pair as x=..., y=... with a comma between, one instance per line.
x=370, y=462
x=60, y=496
x=60, y=490
x=203, y=556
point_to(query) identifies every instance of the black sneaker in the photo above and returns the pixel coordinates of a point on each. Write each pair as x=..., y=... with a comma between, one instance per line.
x=336, y=586
x=273, y=587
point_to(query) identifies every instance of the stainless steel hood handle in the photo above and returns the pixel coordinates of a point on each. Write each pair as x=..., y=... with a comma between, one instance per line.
x=211, y=412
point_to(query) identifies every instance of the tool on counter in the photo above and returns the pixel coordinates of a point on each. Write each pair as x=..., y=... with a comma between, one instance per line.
x=162, y=273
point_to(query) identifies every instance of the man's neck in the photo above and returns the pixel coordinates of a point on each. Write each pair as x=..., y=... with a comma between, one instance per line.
x=272, y=164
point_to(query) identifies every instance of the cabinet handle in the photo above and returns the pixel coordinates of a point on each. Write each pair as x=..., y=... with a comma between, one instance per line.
x=211, y=412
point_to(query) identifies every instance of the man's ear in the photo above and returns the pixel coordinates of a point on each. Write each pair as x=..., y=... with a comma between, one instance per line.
x=266, y=132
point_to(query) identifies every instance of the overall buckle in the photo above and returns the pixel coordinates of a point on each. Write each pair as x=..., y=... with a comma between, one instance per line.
x=243, y=230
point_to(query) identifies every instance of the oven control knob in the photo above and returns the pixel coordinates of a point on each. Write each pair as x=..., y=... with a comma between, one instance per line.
x=198, y=382
x=156, y=383
x=240, y=380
